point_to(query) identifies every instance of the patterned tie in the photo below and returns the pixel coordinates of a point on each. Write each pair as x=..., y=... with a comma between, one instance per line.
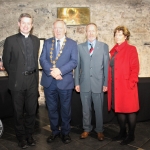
x=58, y=47
x=91, y=50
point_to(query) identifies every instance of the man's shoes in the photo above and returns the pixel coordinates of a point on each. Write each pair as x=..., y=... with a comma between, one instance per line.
x=52, y=137
x=127, y=140
x=84, y=135
x=23, y=144
x=66, y=139
x=31, y=141
x=100, y=136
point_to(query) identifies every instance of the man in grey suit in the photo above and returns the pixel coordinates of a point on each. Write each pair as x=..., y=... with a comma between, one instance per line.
x=91, y=79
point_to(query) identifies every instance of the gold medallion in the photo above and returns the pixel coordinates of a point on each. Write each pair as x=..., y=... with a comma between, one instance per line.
x=59, y=54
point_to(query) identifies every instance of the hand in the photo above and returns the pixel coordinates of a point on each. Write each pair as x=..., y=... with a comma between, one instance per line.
x=55, y=72
x=105, y=88
x=77, y=88
x=59, y=77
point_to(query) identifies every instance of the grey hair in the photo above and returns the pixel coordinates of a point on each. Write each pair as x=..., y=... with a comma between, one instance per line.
x=58, y=19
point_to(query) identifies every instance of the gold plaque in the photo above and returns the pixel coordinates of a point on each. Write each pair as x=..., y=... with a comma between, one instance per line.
x=74, y=15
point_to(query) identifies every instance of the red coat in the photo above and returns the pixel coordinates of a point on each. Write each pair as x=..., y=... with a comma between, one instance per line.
x=126, y=69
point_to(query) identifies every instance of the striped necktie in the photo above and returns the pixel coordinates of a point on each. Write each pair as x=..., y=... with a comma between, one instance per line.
x=91, y=50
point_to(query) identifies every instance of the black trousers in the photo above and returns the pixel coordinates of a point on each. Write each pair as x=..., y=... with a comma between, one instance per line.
x=25, y=104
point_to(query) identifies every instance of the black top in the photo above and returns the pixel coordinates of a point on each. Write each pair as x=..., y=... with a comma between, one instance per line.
x=112, y=65
x=29, y=57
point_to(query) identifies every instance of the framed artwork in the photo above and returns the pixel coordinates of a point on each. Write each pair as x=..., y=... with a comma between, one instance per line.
x=1, y=128
x=40, y=51
x=1, y=64
x=1, y=53
x=74, y=15
x=3, y=72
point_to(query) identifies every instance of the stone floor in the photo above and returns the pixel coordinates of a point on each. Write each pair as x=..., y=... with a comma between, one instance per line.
x=42, y=131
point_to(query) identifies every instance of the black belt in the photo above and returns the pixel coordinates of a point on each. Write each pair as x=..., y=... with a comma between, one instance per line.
x=26, y=73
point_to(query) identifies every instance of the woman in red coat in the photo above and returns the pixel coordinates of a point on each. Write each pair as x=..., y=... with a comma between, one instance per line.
x=122, y=84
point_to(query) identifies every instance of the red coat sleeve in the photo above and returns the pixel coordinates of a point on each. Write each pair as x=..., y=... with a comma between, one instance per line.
x=134, y=67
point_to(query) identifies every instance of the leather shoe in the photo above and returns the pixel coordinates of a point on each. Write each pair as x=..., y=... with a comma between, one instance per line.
x=127, y=140
x=23, y=144
x=84, y=135
x=31, y=141
x=52, y=137
x=66, y=139
x=100, y=136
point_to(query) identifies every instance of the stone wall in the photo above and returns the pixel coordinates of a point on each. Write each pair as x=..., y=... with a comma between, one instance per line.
x=107, y=14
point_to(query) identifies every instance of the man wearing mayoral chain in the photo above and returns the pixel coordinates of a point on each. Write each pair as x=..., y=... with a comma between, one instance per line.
x=58, y=59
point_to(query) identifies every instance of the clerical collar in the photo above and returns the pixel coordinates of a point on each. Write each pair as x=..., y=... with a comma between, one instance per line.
x=25, y=35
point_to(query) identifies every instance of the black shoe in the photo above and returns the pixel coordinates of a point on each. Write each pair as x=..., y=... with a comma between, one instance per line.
x=66, y=139
x=122, y=135
x=52, y=137
x=31, y=141
x=119, y=137
x=23, y=144
x=127, y=140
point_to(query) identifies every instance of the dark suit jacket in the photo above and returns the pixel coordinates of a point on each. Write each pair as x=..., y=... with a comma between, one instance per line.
x=66, y=63
x=14, y=59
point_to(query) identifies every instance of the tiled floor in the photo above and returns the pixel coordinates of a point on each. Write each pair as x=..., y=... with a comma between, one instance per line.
x=8, y=140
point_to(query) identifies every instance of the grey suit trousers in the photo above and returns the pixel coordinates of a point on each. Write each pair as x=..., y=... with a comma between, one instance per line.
x=97, y=98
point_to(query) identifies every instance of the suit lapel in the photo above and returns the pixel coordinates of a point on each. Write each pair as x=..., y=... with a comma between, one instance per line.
x=85, y=47
x=96, y=48
x=66, y=44
x=54, y=47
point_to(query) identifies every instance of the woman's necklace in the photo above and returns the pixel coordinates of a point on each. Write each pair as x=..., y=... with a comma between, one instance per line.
x=59, y=54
